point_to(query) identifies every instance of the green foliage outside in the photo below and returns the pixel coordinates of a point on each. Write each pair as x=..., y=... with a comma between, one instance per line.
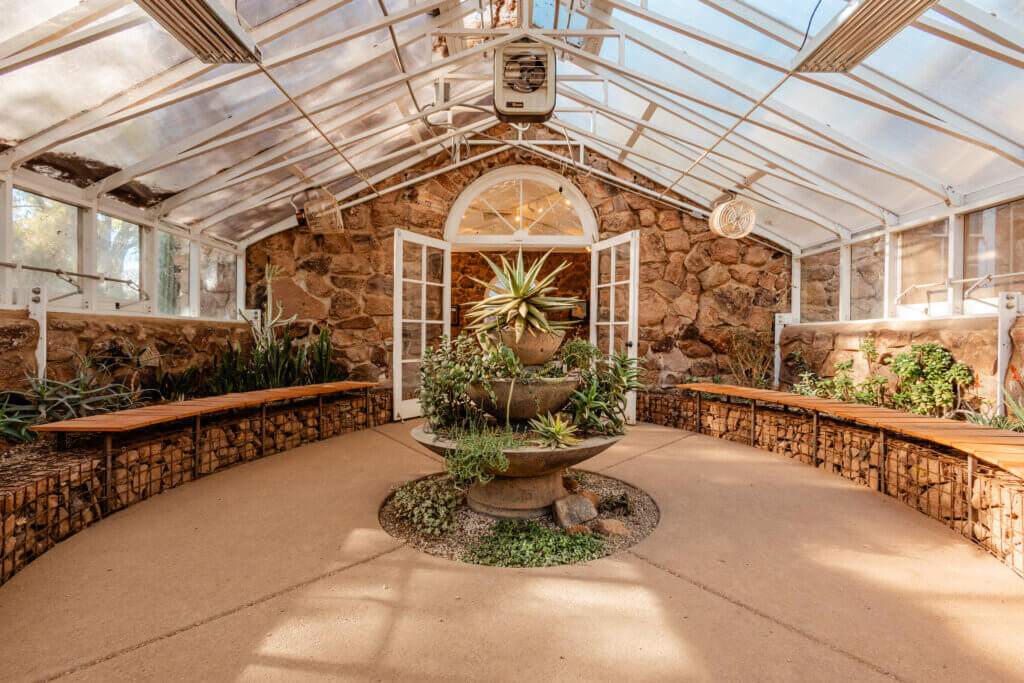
x=527, y=544
x=428, y=504
x=1013, y=421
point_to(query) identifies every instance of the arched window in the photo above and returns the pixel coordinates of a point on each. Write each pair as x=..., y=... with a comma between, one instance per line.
x=521, y=205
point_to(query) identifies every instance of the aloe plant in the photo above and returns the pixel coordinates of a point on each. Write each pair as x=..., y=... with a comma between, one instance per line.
x=522, y=300
x=554, y=431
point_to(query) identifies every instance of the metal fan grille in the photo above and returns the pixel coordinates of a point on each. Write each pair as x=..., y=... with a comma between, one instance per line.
x=733, y=219
x=525, y=72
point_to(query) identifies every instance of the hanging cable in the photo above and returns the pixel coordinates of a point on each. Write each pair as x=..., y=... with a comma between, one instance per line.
x=318, y=129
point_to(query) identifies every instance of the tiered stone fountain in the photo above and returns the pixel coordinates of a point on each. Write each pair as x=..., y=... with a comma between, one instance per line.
x=533, y=480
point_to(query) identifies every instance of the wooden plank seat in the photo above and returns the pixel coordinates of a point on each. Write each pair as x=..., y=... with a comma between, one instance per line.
x=997, y=447
x=136, y=418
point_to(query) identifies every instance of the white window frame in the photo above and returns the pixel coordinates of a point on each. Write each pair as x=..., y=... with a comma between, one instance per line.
x=88, y=208
x=577, y=201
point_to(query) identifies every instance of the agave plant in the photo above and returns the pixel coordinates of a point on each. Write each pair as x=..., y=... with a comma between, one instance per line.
x=522, y=299
x=554, y=431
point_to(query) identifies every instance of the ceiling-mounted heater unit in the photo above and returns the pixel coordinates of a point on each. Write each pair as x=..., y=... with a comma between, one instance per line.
x=860, y=28
x=206, y=28
x=524, y=82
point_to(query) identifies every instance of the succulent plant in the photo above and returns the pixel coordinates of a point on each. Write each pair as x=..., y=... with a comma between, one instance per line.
x=554, y=431
x=522, y=299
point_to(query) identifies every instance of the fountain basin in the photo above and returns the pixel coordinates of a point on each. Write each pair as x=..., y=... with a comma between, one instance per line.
x=533, y=479
x=538, y=396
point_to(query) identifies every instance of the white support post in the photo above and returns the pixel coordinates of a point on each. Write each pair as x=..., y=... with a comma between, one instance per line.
x=955, y=290
x=193, y=278
x=845, y=276
x=6, y=237
x=794, y=289
x=891, y=276
x=149, y=270
x=781, y=320
x=88, y=256
x=239, y=285
x=37, y=300
x=1010, y=306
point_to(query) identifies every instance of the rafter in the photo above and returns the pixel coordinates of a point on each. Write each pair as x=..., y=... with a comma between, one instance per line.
x=77, y=38
x=851, y=150
x=266, y=162
x=56, y=27
x=164, y=81
x=899, y=100
x=984, y=22
x=760, y=164
x=171, y=153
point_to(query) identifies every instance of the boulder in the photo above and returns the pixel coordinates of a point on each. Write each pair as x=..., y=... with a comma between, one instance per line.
x=573, y=510
x=591, y=496
x=757, y=256
x=725, y=251
x=611, y=527
x=570, y=484
x=698, y=259
x=715, y=276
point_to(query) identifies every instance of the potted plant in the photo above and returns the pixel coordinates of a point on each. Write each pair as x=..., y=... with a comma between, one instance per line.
x=519, y=308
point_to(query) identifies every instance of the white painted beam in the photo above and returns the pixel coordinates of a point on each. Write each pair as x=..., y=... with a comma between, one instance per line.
x=82, y=36
x=984, y=22
x=56, y=27
x=165, y=81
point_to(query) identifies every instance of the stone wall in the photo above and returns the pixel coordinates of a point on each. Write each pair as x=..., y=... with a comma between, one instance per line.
x=695, y=288
x=970, y=340
x=574, y=281
x=819, y=287
x=178, y=342
x=46, y=498
x=928, y=477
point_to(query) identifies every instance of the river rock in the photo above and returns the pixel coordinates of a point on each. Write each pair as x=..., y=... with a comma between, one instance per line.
x=573, y=510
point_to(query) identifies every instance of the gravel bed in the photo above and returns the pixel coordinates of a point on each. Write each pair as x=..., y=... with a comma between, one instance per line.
x=472, y=526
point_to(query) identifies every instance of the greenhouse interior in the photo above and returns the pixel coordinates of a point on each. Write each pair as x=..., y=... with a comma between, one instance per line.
x=693, y=327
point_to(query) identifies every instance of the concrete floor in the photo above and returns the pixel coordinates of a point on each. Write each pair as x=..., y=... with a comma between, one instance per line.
x=761, y=568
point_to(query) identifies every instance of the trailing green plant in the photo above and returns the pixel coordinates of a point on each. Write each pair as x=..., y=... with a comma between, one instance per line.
x=429, y=505
x=177, y=386
x=751, y=356
x=576, y=354
x=929, y=379
x=554, y=431
x=522, y=299
x=476, y=454
x=445, y=371
x=514, y=543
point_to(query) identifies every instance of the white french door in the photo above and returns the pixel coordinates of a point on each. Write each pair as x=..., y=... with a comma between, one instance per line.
x=422, y=305
x=614, y=296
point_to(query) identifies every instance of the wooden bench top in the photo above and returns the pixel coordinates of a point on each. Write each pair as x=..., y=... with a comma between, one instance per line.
x=134, y=418
x=994, y=446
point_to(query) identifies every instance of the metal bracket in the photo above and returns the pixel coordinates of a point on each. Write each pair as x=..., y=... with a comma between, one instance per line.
x=1010, y=306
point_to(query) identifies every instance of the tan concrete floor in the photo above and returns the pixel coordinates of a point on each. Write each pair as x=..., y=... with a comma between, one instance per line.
x=761, y=569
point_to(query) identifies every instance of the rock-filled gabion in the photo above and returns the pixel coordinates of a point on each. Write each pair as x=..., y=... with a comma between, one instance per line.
x=49, y=498
x=930, y=478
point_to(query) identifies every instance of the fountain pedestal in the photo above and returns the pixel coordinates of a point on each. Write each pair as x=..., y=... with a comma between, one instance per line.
x=533, y=480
